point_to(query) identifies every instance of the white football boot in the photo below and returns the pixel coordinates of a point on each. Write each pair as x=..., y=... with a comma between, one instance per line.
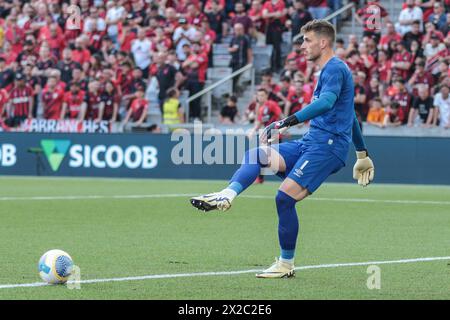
x=279, y=269
x=212, y=201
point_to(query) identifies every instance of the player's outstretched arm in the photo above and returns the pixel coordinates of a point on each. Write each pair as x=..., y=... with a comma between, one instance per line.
x=363, y=170
x=319, y=106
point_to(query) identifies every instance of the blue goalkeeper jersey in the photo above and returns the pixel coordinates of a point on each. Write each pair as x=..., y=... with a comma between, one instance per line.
x=334, y=127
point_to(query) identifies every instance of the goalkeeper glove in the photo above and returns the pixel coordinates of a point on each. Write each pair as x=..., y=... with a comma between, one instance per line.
x=363, y=170
x=280, y=126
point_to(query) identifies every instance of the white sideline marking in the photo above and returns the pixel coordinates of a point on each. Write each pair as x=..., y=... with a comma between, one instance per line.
x=226, y=273
x=179, y=195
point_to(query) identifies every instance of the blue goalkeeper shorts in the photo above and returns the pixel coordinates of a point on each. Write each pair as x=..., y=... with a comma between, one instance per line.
x=308, y=164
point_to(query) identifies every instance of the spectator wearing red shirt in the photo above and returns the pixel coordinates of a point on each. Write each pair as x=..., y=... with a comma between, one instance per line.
x=28, y=54
x=202, y=59
x=210, y=35
x=111, y=101
x=354, y=62
x=259, y=25
x=138, y=109
x=391, y=35
x=298, y=98
x=41, y=19
x=274, y=12
x=420, y=77
x=402, y=97
x=431, y=31
x=35, y=83
x=194, y=13
x=367, y=59
x=95, y=39
x=394, y=115
x=57, y=75
x=370, y=16
x=129, y=33
x=53, y=36
x=384, y=68
x=401, y=61
x=14, y=34
x=78, y=77
x=52, y=100
x=374, y=90
x=290, y=68
x=80, y=54
x=125, y=78
x=4, y=97
x=94, y=103
x=160, y=42
x=74, y=105
x=273, y=89
x=299, y=57
x=8, y=55
x=20, y=102
x=267, y=111
x=210, y=3
x=361, y=106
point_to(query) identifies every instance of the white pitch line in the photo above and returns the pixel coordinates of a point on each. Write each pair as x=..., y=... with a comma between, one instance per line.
x=179, y=195
x=361, y=200
x=226, y=273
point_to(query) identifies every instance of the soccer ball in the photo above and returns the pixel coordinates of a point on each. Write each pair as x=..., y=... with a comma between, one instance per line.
x=55, y=266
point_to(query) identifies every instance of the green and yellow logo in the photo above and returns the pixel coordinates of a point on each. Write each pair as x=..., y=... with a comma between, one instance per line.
x=55, y=151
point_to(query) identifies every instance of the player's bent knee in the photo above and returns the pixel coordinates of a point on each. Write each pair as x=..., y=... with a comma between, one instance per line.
x=284, y=200
x=294, y=190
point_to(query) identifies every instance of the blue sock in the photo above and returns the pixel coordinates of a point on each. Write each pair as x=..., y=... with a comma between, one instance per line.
x=287, y=224
x=254, y=160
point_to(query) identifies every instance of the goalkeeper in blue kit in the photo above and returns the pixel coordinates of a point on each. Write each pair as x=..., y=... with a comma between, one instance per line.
x=306, y=163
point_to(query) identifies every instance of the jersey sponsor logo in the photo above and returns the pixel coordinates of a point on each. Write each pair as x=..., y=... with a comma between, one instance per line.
x=20, y=100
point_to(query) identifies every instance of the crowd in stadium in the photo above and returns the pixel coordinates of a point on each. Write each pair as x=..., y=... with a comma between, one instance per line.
x=96, y=60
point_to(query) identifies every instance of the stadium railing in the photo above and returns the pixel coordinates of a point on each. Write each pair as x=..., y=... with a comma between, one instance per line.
x=208, y=90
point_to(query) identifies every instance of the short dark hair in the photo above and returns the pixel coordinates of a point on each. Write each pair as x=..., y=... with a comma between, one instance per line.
x=171, y=92
x=233, y=99
x=321, y=28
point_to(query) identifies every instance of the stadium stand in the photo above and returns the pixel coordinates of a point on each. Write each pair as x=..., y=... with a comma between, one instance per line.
x=88, y=60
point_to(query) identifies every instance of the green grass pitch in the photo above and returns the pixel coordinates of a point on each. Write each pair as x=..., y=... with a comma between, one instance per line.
x=112, y=235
